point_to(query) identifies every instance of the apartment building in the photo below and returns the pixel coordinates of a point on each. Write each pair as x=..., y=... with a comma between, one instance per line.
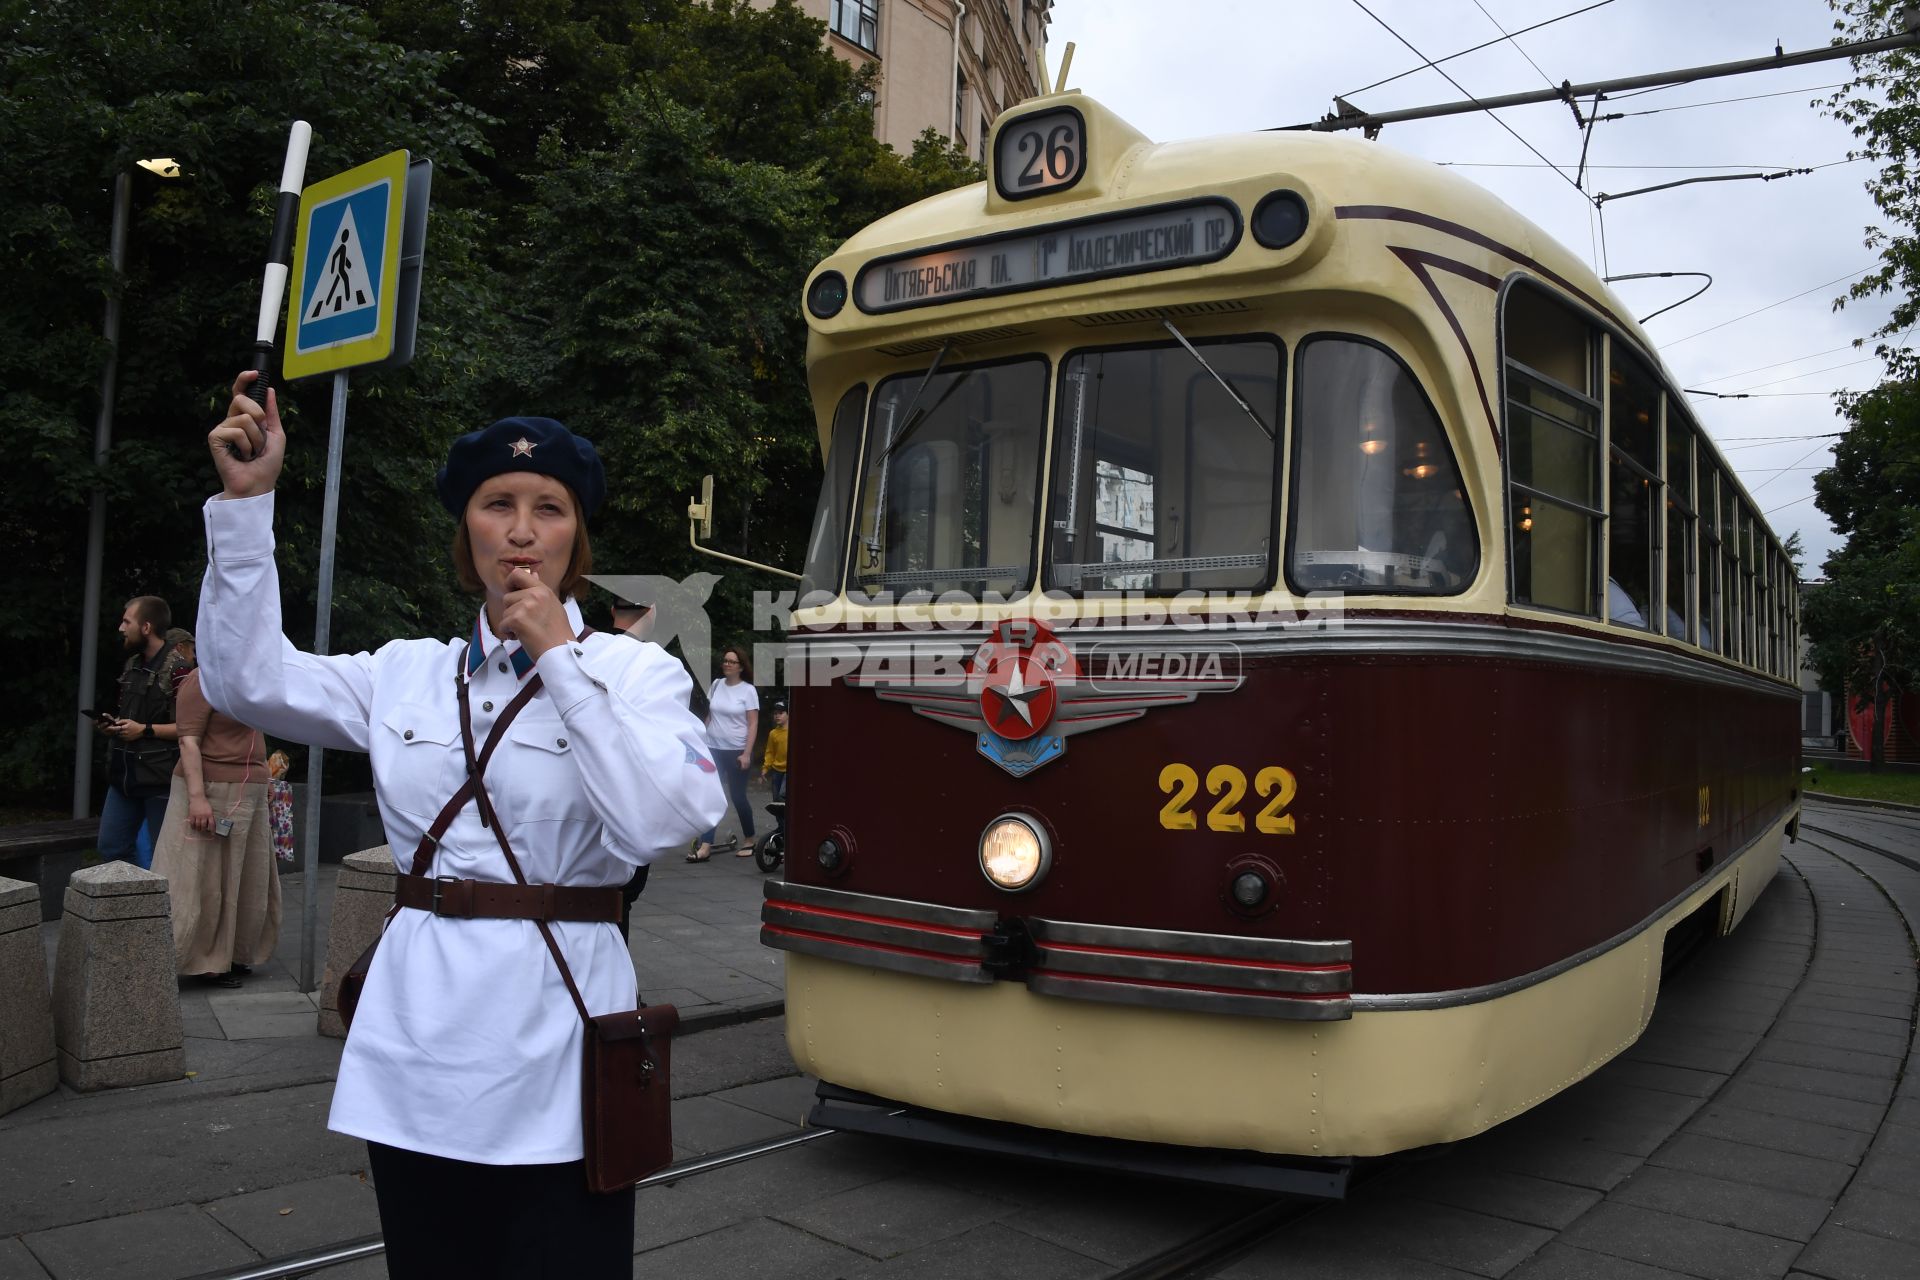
x=946, y=65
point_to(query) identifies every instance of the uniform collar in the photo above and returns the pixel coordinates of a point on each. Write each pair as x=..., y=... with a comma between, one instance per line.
x=483, y=644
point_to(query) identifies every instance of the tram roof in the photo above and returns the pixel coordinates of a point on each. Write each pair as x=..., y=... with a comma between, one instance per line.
x=1342, y=170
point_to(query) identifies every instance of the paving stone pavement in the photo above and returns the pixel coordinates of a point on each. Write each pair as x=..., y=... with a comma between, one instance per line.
x=1768, y=1124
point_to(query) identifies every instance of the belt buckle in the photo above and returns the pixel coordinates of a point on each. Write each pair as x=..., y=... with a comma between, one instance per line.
x=438, y=883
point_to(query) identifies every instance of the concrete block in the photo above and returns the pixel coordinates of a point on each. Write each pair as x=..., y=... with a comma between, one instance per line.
x=116, y=1006
x=27, y=1067
x=361, y=899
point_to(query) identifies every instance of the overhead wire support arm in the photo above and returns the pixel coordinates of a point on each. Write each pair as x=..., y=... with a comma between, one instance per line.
x=1665, y=275
x=1605, y=196
x=1714, y=71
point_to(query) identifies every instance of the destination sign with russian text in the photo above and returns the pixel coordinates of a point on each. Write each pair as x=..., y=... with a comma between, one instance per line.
x=1175, y=235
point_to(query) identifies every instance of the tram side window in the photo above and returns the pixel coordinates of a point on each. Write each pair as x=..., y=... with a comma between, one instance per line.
x=1746, y=585
x=1161, y=481
x=1553, y=447
x=827, y=541
x=1377, y=502
x=1682, y=523
x=1633, y=418
x=951, y=470
x=1729, y=571
x=1709, y=559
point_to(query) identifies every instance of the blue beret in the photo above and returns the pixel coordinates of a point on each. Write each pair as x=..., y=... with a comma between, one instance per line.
x=539, y=445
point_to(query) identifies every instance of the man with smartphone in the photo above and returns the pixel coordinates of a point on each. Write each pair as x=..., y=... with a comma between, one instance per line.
x=143, y=743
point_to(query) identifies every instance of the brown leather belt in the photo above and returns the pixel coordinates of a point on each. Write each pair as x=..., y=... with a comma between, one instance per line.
x=486, y=900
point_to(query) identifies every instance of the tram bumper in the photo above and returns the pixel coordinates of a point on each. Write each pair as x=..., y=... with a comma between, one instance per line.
x=1153, y=968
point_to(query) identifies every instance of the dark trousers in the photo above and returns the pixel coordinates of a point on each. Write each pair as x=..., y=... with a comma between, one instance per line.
x=733, y=779
x=452, y=1218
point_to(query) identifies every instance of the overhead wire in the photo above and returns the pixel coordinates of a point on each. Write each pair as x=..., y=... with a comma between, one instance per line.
x=1719, y=102
x=1464, y=52
x=1814, y=355
x=1779, y=471
x=1770, y=306
x=1508, y=37
x=1360, y=5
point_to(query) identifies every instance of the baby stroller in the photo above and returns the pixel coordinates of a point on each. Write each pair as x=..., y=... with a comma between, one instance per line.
x=770, y=850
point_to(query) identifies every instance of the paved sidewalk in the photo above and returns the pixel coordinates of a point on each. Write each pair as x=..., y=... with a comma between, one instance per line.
x=234, y=1161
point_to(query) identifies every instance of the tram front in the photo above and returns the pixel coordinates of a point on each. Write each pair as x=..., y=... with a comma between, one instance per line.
x=1063, y=803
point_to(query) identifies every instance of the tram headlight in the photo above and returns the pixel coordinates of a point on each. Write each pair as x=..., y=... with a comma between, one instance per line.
x=827, y=294
x=831, y=855
x=1250, y=889
x=1279, y=219
x=1015, y=852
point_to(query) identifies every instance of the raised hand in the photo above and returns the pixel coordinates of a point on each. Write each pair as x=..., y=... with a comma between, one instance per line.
x=249, y=446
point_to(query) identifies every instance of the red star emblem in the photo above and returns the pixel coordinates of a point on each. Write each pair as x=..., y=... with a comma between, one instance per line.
x=522, y=448
x=1018, y=698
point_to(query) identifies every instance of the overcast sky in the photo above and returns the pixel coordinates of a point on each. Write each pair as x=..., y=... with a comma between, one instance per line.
x=1221, y=66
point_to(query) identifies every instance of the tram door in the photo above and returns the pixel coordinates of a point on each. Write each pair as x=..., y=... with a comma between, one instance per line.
x=1162, y=481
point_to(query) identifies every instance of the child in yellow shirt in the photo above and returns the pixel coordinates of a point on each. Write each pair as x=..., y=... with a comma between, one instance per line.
x=774, y=762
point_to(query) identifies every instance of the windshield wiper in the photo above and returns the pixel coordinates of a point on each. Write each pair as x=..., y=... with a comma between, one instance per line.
x=910, y=419
x=1224, y=384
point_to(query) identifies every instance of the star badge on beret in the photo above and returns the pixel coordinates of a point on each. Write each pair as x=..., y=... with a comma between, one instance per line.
x=522, y=448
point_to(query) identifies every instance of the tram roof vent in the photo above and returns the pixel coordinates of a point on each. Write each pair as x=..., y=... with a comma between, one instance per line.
x=1136, y=316
x=972, y=338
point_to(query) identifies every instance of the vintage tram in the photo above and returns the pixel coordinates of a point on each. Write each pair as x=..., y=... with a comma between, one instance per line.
x=1281, y=659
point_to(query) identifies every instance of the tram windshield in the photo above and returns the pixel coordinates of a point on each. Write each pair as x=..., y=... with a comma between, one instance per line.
x=1161, y=482
x=950, y=481
x=1377, y=498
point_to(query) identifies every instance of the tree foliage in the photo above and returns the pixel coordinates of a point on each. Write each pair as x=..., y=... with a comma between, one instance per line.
x=1863, y=623
x=627, y=197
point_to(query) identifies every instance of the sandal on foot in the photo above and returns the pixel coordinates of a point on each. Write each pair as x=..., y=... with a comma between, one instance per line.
x=700, y=857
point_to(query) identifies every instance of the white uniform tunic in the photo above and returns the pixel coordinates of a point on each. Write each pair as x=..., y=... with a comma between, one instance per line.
x=465, y=1043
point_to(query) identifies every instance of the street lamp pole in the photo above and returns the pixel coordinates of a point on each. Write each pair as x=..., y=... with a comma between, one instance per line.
x=97, y=514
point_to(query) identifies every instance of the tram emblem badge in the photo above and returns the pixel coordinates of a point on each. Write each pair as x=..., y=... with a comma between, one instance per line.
x=1025, y=692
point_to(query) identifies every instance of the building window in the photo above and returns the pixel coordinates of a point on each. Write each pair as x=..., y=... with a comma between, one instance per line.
x=857, y=21
x=959, y=107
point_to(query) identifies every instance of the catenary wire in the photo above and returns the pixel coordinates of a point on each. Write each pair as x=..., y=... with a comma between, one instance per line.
x=1669, y=345
x=1814, y=355
x=1477, y=48
x=1780, y=471
x=1457, y=85
x=1720, y=102
x=1509, y=37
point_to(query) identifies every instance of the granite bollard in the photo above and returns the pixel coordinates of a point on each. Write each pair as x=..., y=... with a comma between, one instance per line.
x=27, y=1068
x=361, y=899
x=116, y=1001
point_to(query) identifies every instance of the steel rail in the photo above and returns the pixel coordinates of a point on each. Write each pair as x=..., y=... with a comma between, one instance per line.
x=333, y=1255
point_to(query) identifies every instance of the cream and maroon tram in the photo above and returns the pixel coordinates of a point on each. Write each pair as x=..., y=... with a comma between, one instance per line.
x=1282, y=658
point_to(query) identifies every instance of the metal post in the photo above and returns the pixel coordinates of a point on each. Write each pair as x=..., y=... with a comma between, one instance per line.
x=1658, y=79
x=322, y=628
x=97, y=514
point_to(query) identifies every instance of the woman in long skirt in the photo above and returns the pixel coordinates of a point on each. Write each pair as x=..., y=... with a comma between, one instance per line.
x=216, y=845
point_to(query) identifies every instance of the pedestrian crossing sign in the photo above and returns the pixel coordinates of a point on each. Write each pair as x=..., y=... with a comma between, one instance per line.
x=346, y=269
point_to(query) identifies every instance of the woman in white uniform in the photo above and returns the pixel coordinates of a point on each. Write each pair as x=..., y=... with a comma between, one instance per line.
x=462, y=1071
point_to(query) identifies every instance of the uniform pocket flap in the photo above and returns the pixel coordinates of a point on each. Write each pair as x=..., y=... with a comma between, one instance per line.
x=543, y=735
x=416, y=723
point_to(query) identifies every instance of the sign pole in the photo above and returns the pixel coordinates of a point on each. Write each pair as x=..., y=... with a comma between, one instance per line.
x=322, y=639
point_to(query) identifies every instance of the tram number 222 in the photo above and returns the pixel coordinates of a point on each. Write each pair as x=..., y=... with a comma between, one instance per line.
x=1228, y=785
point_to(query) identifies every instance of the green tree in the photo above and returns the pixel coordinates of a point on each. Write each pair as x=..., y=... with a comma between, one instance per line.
x=84, y=91
x=1863, y=623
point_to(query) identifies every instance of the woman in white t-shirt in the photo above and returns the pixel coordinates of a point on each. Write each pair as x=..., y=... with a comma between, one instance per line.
x=733, y=723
